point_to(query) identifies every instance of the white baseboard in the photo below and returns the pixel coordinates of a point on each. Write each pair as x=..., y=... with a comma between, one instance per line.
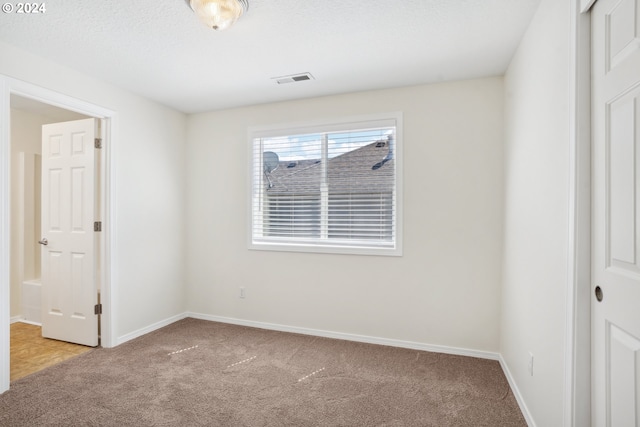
x=140, y=332
x=516, y=392
x=21, y=319
x=349, y=337
x=29, y=322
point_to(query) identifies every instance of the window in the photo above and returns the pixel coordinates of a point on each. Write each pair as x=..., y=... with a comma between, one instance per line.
x=328, y=187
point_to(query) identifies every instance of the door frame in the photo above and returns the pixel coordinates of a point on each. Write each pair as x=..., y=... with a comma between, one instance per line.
x=10, y=86
x=577, y=379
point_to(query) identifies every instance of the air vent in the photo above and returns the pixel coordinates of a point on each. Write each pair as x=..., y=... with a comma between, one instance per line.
x=293, y=78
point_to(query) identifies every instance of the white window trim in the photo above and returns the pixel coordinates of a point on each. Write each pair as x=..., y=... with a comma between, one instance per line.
x=330, y=125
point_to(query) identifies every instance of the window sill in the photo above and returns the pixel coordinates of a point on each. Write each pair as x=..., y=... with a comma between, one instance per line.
x=326, y=249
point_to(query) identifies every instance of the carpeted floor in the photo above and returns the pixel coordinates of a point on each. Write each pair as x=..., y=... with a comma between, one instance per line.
x=200, y=373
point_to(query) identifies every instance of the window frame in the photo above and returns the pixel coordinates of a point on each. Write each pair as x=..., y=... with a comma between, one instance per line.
x=328, y=126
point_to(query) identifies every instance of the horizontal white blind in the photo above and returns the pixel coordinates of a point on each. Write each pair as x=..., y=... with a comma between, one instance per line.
x=326, y=188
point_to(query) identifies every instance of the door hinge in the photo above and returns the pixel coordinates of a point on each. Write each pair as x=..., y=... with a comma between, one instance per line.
x=98, y=143
x=97, y=309
x=97, y=226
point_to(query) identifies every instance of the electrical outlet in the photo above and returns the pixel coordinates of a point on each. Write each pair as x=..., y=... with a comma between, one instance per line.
x=242, y=294
x=530, y=366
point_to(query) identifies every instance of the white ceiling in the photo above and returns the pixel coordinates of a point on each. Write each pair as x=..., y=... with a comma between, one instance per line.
x=158, y=49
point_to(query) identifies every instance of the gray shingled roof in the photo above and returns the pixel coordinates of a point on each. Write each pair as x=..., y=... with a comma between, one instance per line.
x=351, y=172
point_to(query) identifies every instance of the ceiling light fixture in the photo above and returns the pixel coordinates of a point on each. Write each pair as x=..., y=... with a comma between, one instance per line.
x=219, y=14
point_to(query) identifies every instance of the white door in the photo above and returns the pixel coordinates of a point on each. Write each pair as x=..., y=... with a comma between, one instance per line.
x=616, y=213
x=69, y=288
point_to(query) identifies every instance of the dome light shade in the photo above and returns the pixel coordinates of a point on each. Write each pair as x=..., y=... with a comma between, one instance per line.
x=219, y=14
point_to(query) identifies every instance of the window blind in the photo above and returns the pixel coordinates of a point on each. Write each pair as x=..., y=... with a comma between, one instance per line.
x=332, y=188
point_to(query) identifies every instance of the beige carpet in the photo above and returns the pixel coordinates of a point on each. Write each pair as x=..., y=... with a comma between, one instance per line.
x=199, y=373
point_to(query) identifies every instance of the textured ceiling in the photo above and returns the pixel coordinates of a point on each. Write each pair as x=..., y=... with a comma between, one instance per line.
x=158, y=49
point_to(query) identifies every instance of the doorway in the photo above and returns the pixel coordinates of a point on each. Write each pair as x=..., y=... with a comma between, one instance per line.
x=12, y=93
x=28, y=349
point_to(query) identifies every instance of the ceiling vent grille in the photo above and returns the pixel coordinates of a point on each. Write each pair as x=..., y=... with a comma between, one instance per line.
x=293, y=78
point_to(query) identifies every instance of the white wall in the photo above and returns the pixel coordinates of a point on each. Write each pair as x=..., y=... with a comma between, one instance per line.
x=445, y=290
x=149, y=195
x=536, y=211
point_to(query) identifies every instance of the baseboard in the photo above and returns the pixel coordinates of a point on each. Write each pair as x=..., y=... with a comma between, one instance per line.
x=29, y=322
x=516, y=392
x=150, y=328
x=349, y=337
x=21, y=319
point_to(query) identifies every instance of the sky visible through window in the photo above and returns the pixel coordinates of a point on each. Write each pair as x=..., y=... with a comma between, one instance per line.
x=309, y=146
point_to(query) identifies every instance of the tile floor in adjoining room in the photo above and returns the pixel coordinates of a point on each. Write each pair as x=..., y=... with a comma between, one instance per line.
x=30, y=352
